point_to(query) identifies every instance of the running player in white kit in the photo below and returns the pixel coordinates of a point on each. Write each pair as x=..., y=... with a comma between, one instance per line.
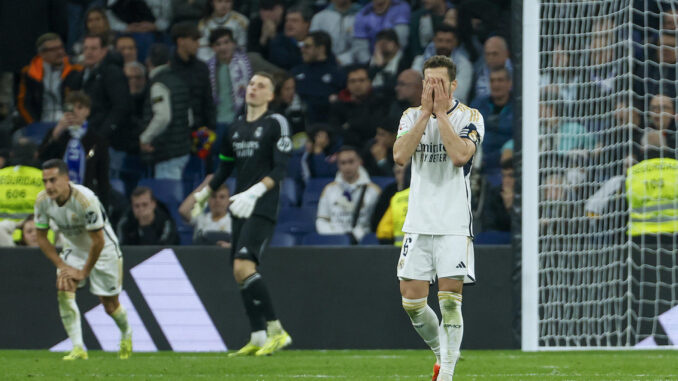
x=440, y=138
x=90, y=250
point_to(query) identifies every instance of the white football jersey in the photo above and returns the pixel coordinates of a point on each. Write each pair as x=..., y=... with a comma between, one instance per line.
x=80, y=214
x=440, y=192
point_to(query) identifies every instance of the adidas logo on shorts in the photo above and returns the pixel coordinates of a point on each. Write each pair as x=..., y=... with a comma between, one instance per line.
x=461, y=265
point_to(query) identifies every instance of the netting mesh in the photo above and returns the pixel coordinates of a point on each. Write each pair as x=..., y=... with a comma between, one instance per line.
x=604, y=65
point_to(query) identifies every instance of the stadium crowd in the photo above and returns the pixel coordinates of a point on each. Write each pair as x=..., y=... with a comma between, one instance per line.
x=135, y=96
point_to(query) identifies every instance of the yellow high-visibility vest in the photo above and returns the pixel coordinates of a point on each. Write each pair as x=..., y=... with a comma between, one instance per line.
x=19, y=187
x=391, y=225
x=652, y=193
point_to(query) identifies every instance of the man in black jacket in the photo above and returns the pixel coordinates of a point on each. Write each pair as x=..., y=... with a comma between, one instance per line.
x=149, y=222
x=195, y=73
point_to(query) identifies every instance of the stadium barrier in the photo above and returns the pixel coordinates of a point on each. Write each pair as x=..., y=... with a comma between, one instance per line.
x=185, y=299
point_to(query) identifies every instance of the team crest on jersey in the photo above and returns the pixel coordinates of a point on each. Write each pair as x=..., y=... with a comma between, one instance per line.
x=91, y=217
x=284, y=144
x=235, y=136
x=258, y=131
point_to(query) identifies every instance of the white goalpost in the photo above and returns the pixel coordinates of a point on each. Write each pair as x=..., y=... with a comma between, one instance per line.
x=593, y=75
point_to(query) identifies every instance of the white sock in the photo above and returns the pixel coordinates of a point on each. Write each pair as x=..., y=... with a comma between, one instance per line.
x=120, y=318
x=70, y=317
x=425, y=322
x=258, y=338
x=451, y=332
x=274, y=327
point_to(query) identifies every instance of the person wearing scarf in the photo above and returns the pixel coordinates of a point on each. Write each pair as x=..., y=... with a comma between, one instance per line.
x=85, y=153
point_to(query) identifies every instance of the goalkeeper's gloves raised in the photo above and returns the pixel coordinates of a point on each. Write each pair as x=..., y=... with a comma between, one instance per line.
x=242, y=204
x=200, y=200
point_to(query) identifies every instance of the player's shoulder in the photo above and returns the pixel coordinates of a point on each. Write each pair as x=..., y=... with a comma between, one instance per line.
x=83, y=196
x=374, y=187
x=279, y=121
x=473, y=114
x=42, y=197
x=413, y=111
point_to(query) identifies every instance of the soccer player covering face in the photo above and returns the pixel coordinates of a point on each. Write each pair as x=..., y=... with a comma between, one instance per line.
x=258, y=146
x=90, y=251
x=440, y=138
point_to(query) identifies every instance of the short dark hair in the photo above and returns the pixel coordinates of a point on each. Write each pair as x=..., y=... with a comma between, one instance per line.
x=142, y=190
x=348, y=148
x=219, y=33
x=44, y=38
x=388, y=34
x=78, y=97
x=504, y=69
x=184, y=29
x=56, y=163
x=445, y=28
x=103, y=40
x=269, y=4
x=441, y=61
x=306, y=12
x=267, y=75
x=355, y=67
x=158, y=55
x=323, y=39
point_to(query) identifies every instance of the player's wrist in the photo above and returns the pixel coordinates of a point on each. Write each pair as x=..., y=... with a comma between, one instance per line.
x=258, y=189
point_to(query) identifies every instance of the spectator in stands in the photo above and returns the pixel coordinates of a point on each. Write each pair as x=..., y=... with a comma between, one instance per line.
x=446, y=43
x=127, y=47
x=136, y=78
x=402, y=180
x=29, y=236
x=424, y=22
x=188, y=10
x=497, y=111
x=337, y=21
x=408, y=90
x=195, y=73
x=377, y=154
x=390, y=227
x=45, y=81
x=452, y=17
x=217, y=219
x=265, y=27
x=661, y=72
x=387, y=61
x=20, y=183
x=374, y=17
x=320, y=157
x=659, y=138
x=146, y=16
x=84, y=152
x=496, y=56
x=288, y=103
x=148, y=223
x=497, y=200
x=346, y=204
x=318, y=77
x=230, y=72
x=285, y=48
x=166, y=137
x=557, y=76
x=358, y=110
x=557, y=133
x=220, y=14
x=96, y=23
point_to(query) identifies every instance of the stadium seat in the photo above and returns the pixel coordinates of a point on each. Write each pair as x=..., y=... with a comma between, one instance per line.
x=283, y=240
x=315, y=239
x=193, y=175
x=314, y=188
x=383, y=181
x=169, y=192
x=294, y=165
x=185, y=234
x=36, y=131
x=230, y=183
x=288, y=193
x=118, y=185
x=492, y=237
x=297, y=221
x=369, y=239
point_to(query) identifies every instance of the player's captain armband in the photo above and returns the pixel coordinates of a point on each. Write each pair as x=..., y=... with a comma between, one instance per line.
x=225, y=158
x=470, y=132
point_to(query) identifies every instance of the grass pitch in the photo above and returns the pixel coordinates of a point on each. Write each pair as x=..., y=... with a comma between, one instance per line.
x=343, y=365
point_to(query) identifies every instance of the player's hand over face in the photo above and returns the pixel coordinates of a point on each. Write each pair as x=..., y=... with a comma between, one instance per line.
x=427, y=97
x=442, y=99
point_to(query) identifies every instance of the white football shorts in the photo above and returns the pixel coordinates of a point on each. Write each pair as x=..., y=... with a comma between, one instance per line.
x=424, y=256
x=106, y=276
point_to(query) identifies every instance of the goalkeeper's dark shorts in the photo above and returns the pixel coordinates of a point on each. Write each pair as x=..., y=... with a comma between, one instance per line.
x=250, y=237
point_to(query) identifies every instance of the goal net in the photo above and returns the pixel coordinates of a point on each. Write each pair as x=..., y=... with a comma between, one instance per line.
x=606, y=101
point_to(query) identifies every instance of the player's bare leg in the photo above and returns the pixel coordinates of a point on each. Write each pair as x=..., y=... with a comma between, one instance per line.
x=452, y=326
x=424, y=319
x=116, y=311
x=70, y=316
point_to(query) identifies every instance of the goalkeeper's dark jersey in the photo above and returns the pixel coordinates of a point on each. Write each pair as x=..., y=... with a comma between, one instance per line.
x=256, y=150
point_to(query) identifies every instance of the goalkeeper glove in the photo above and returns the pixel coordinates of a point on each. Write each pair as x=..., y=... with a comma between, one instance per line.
x=200, y=200
x=242, y=204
